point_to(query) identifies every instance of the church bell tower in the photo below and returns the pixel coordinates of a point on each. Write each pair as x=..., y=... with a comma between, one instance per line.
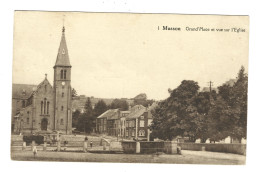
x=62, y=89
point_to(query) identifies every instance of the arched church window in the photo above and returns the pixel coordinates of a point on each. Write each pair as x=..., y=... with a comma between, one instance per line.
x=44, y=105
x=41, y=106
x=65, y=72
x=61, y=74
x=48, y=103
x=45, y=88
x=61, y=108
x=62, y=95
x=61, y=122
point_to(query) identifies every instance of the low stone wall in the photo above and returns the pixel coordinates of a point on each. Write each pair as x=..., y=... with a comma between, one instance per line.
x=115, y=146
x=235, y=148
x=129, y=146
x=145, y=147
x=151, y=147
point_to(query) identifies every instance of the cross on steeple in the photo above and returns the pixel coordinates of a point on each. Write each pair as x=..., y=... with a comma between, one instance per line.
x=63, y=56
x=63, y=19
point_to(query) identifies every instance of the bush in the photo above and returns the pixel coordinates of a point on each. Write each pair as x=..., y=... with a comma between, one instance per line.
x=38, y=139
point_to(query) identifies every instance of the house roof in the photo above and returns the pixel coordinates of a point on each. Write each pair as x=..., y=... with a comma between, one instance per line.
x=22, y=91
x=110, y=114
x=136, y=111
x=63, y=56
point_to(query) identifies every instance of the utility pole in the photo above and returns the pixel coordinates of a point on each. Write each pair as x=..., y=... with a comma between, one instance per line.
x=210, y=86
x=210, y=89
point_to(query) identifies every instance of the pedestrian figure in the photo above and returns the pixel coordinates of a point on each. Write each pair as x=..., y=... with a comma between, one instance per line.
x=91, y=144
x=34, y=151
x=65, y=145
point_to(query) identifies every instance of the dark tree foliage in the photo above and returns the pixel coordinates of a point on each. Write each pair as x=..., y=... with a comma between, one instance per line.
x=176, y=116
x=75, y=117
x=204, y=115
x=100, y=108
x=119, y=104
x=235, y=99
x=74, y=93
x=86, y=120
x=143, y=102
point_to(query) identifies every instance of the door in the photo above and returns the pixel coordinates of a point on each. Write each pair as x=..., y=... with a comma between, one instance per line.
x=44, y=124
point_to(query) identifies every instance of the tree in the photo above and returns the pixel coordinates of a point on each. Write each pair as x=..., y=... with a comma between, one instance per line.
x=74, y=93
x=193, y=114
x=177, y=115
x=100, y=108
x=75, y=117
x=141, y=99
x=229, y=113
x=86, y=120
x=119, y=104
x=202, y=102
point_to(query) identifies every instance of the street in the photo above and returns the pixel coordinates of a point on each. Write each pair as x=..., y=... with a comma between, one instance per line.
x=187, y=157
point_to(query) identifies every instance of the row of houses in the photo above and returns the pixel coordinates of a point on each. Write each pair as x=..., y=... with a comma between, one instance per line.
x=132, y=124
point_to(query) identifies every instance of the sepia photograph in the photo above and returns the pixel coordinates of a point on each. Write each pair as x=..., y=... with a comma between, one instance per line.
x=129, y=88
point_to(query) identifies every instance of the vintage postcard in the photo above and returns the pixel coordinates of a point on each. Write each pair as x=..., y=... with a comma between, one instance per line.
x=128, y=87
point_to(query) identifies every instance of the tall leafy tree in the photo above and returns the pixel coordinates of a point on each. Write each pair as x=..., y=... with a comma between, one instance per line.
x=100, y=108
x=119, y=104
x=193, y=114
x=74, y=93
x=177, y=115
x=86, y=119
x=75, y=118
x=229, y=113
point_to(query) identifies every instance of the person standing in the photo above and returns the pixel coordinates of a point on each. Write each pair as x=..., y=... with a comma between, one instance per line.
x=34, y=151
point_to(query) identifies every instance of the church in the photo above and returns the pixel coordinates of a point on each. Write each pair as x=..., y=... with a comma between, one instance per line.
x=45, y=108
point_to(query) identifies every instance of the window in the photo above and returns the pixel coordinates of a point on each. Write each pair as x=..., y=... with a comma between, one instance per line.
x=141, y=117
x=133, y=132
x=62, y=95
x=27, y=120
x=61, y=121
x=141, y=133
x=61, y=108
x=61, y=74
x=141, y=123
x=65, y=72
x=41, y=106
x=45, y=88
x=45, y=105
x=126, y=133
x=48, y=104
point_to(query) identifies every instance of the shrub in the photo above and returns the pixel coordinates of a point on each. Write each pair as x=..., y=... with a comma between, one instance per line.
x=38, y=139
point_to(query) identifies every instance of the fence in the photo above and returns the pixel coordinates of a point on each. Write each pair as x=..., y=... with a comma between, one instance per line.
x=235, y=148
x=75, y=146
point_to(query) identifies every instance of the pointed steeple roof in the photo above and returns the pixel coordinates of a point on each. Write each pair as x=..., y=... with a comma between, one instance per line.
x=63, y=56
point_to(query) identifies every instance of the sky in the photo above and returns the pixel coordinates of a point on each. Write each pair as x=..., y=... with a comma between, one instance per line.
x=117, y=55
